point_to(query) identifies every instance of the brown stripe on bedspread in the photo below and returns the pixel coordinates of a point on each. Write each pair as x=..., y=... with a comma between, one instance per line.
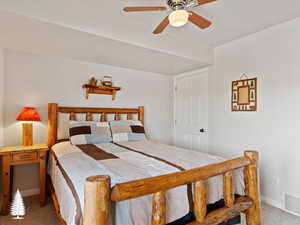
x=78, y=216
x=95, y=152
x=189, y=186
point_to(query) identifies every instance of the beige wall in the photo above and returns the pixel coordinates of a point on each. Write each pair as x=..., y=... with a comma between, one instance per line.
x=1, y=95
x=273, y=57
x=1, y=100
x=33, y=80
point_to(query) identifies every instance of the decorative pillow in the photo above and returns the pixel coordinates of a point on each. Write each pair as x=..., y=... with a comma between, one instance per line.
x=127, y=130
x=89, y=132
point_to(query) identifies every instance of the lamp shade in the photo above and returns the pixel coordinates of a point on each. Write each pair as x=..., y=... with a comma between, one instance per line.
x=29, y=114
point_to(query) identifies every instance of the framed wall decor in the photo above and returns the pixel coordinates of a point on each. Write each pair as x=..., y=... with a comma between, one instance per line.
x=244, y=95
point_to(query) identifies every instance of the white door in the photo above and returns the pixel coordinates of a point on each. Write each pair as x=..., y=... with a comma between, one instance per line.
x=191, y=111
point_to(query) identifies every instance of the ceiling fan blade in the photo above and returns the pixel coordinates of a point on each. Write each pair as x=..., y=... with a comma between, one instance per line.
x=202, y=2
x=199, y=20
x=160, y=28
x=145, y=8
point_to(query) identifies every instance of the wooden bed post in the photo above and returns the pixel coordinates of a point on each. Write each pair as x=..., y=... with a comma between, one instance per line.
x=252, y=189
x=141, y=114
x=96, y=200
x=52, y=123
x=200, y=201
x=228, y=189
x=159, y=208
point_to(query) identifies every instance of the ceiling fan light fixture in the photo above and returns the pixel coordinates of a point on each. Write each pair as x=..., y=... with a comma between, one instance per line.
x=178, y=18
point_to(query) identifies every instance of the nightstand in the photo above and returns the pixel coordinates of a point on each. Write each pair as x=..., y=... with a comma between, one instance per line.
x=20, y=155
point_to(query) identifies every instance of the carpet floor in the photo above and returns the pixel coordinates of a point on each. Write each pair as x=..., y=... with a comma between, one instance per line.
x=46, y=215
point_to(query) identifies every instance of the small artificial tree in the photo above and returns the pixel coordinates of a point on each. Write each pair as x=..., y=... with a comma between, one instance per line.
x=17, y=208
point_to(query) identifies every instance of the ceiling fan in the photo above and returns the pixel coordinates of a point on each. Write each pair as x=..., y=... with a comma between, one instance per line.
x=180, y=16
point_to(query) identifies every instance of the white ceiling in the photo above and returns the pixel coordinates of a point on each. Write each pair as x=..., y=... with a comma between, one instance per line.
x=30, y=35
x=231, y=19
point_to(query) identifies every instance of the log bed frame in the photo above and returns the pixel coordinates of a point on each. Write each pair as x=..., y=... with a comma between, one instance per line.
x=98, y=193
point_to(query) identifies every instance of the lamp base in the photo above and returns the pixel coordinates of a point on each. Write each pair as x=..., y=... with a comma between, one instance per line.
x=27, y=134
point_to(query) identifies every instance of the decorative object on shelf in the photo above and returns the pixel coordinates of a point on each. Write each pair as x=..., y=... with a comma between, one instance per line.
x=244, y=95
x=93, y=81
x=107, y=89
x=107, y=81
x=28, y=114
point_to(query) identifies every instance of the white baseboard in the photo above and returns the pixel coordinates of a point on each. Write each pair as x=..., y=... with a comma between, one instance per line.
x=276, y=204
x=272, y=202
x=30, y=192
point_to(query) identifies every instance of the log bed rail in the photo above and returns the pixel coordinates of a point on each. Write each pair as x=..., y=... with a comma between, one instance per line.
x=98, y=193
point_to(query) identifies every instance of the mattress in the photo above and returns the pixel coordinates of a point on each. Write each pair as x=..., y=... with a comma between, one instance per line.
x=70, y=165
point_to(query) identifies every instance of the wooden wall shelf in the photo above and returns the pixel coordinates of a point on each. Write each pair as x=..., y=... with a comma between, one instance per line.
x=102, y=90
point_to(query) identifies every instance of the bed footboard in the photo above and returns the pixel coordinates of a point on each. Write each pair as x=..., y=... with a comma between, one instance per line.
x=98, y=193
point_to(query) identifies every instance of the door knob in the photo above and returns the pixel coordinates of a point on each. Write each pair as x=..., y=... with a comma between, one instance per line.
x=202, y=130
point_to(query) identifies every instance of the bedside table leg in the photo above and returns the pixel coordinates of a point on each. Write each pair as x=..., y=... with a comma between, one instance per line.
x=6, y=184
x=11, y=183
x=43, y=178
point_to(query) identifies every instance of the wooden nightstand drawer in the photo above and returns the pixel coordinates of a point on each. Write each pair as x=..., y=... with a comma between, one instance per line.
x=24, y=156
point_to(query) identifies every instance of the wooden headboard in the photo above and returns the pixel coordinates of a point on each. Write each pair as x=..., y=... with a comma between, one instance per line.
x=54, y=109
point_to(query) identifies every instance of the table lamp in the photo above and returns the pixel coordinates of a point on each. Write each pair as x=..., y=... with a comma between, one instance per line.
x=28, y=114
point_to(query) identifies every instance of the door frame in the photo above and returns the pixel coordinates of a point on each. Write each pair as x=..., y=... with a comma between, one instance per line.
x=194, y=73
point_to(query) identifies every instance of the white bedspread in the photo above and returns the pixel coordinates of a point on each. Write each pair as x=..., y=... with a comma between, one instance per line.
x=133, y=160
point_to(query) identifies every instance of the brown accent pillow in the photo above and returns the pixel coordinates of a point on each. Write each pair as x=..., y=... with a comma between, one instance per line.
x=137, y=129
x=80, y=130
